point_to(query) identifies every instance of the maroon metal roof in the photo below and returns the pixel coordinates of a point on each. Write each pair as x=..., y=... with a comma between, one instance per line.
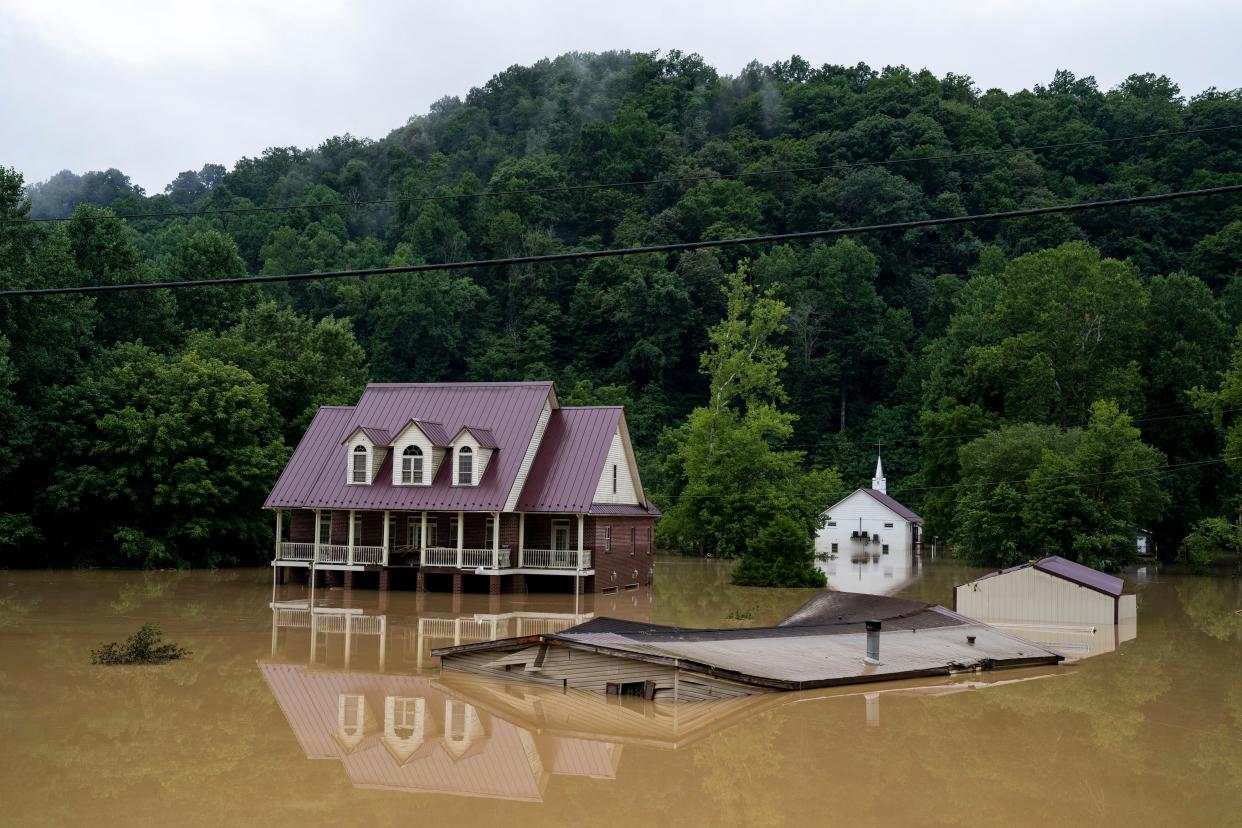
x=316, y=473
x=377, y=436
x=647, y=510
x=482, y=436
x=433, y=431
x=571, y=458
x=1070, y=571
x=895, y=505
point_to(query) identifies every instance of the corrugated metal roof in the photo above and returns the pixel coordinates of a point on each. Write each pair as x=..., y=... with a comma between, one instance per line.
x=482, y=436
x=1069, y=570
x=316, y=474
x=571, y=458
x=647, y=510
x=893, y=504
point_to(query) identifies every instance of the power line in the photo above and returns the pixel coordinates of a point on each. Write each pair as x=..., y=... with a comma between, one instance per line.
x=675, y=247
x=647, y=182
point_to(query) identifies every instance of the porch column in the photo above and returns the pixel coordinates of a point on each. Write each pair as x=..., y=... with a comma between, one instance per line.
x=495, y=540
x=461, y=537
x=386, y=539
x=315, y=554
x=422, y=541
x=351, y=536
x=521, y=539
x=280, y=514
x=580, y=530
x=383, y=641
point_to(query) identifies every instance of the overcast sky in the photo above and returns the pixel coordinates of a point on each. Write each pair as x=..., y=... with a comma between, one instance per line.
x=156, y=87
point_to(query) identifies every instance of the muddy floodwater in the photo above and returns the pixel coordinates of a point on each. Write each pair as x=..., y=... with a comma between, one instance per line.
x=334, y=713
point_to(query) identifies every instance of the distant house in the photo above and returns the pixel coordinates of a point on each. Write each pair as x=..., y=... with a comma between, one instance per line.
x=870, y=522
x=1051, y=590
x=458, y=479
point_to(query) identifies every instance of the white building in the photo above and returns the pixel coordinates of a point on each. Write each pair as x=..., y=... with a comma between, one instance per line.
x=869, y=526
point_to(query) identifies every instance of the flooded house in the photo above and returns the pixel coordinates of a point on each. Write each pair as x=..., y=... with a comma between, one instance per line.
x=869, y=523
x=834, y=639
x=1064, y=606
x=466, y=485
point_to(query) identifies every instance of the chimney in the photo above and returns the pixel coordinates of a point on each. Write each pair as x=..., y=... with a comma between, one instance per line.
x=873, y=642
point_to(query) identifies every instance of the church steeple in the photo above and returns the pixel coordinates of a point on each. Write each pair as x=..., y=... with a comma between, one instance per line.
x=878, y=482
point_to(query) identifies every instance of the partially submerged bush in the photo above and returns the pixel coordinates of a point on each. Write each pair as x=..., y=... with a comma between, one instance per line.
x=143, y=647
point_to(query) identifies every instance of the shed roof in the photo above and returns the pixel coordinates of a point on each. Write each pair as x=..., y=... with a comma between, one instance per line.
x=1070, y=571
x=807, y=649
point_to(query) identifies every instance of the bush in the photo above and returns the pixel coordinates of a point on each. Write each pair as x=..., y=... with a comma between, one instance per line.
x=143, y=647
x=781, y=556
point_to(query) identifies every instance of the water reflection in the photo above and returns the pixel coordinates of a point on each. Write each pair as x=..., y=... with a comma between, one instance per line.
x=358, y=686
x=870, y=570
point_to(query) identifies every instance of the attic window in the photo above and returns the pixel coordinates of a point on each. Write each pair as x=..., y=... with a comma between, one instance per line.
x=358, y=469
x=412, y=465
x=614, y=478
x=465, y=466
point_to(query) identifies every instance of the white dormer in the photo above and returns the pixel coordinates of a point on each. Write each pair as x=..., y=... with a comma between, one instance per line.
x=417, y=451
x=619, y=481
x=472, y=450
x=365, y=450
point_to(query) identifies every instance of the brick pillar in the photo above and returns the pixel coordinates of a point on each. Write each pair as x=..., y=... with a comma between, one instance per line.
x=519, y=583
x=493, y=585
x=420, y=582
x=349, y=580
x=457, y=583
x=493, y=604
x=383, y=602
x=383, y=580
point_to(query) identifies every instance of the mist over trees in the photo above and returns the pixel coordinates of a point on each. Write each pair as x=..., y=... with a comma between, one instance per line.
x=1074, y=343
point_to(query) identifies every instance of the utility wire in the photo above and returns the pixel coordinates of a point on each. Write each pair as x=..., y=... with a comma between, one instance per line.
x=676, y=247
x=647, y=182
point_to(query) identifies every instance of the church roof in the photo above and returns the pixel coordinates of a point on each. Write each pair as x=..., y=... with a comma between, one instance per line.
x=887, y=501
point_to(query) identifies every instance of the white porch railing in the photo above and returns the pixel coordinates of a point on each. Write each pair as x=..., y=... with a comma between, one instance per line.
x=297, y=551
x=555, y=559
x=471, y=558
x=333, y=553
x=368, y=554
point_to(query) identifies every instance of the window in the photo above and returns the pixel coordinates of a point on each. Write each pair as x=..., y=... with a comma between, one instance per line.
x=433, y=534
x=489, y=533
x=614, y=478
x=412, y=465
x=392, y=531
x=325, y=527
x=884, y=549
x=607, y=538
x=465, y=466
x=832, y=523
x=359, y=468
x=888, y=526
x=356, y=529
x=650, y=540
x=633, y=539
x=834, y=549
x=412, y=531
x=452, y=538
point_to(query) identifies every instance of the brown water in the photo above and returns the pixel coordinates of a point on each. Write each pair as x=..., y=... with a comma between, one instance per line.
x=245, y=732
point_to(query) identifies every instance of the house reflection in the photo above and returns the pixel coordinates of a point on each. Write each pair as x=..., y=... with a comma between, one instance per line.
x=870, y=569
x=354, y=686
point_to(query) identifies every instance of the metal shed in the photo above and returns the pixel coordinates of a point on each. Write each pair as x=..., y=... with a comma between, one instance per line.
x=1050, y=590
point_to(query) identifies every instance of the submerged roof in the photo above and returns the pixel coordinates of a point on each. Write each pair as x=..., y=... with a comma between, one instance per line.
x=1069, y=571
x=819, y=645
x=502, y=416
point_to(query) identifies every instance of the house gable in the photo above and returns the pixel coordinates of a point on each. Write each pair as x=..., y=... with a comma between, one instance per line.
x=426, y=437
x=368, y=441
x=619, y=481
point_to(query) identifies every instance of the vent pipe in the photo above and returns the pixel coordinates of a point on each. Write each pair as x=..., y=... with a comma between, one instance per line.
x=873, y=642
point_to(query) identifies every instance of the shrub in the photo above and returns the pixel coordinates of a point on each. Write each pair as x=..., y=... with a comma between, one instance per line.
x=143, y=647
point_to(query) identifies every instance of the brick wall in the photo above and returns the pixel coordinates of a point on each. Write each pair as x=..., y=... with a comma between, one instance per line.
x=620, y=566
x=302, y=526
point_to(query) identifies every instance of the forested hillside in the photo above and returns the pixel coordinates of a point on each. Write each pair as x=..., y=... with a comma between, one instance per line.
x=1031, y=381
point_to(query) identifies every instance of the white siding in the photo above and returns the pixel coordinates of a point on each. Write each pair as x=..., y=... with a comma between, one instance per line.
x=617, y=459
x=376, y=454
x=1030, y=595
x=412, y=435
x=531, y=450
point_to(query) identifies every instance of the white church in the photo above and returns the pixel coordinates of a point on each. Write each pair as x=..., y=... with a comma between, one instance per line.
x=869, y=522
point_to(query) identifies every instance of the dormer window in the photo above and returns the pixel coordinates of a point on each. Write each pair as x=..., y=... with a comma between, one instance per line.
x=412, y=465
x=358, y=465
x=465, y=466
